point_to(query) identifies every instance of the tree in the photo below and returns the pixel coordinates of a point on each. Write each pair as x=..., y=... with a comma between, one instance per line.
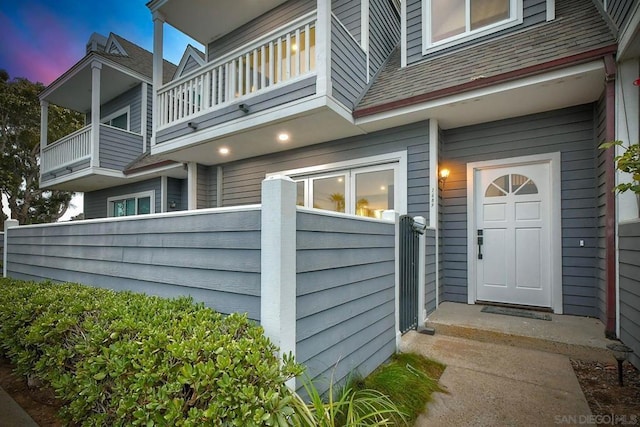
x=20, y=151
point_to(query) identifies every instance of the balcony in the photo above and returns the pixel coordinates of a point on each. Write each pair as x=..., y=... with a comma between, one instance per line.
x=72, y=163
x=70, y=150
x=268, y=63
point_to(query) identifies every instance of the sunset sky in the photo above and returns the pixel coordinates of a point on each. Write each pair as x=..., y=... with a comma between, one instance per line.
x=41, y=39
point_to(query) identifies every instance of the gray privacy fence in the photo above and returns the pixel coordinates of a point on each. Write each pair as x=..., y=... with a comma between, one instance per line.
x=323, y=285
x=629, y=297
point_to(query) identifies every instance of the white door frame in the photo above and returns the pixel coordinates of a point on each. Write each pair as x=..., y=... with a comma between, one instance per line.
x=553, y=159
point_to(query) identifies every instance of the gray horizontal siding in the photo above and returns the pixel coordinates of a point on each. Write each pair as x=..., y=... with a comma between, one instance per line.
x=270, y=21
x=348, y=66
x=345, y=295
x=95, y=202
x=149, y=116
x=629, y=245
x=202, y=187
x=431, y=273
x=190, y=65
x=384, y=33
x=66, y=170
x=281, y=95
x=349, y=13
x=620, y=11
x=569, y=131
x=174, y=194
x=118, y=148
x=242, y=179
x=214, y=257
x=534, y=12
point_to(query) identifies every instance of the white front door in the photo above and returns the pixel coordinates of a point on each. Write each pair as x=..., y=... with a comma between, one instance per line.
x=512, y=236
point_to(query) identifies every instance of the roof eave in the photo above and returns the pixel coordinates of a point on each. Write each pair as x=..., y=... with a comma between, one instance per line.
x=480, y=83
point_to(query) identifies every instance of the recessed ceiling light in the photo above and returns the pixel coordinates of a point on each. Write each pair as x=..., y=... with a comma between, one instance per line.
x=223, y=150
x=283, y=137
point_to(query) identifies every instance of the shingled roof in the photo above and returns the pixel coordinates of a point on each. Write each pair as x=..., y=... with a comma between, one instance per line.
x=577, y=30
x=139, y=60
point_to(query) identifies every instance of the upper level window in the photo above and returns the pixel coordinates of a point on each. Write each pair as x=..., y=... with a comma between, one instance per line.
x=453, y=21
x=118, y=119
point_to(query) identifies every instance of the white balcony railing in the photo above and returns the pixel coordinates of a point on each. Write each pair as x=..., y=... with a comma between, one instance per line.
x=269, y=61
x=66, y=151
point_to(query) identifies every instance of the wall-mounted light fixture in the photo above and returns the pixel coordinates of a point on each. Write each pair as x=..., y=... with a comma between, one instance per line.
x=443, y=175
x=172, y=204
x=244, y=108
x=193, y=125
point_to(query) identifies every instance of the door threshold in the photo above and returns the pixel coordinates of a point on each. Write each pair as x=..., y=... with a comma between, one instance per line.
x=517, y=306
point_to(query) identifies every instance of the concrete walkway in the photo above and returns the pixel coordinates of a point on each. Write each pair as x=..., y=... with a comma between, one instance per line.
x=499, y=385
x=507, y=371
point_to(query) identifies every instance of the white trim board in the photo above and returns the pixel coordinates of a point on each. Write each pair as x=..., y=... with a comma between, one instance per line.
x=554, y=161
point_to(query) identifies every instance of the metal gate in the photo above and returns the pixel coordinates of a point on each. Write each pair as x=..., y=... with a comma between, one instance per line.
x=409, y=258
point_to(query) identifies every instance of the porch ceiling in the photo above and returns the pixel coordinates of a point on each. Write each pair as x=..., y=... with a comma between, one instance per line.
x=74, y=90
x=311, y=127
x=98, y=181
x=205, y=21
x=549, y=91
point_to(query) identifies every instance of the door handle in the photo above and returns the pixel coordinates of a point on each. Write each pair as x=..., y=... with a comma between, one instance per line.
x=480, y=243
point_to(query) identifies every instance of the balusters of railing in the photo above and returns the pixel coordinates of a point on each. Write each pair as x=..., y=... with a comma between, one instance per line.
x=288, y=57
x=297, y=52
x=307, y=48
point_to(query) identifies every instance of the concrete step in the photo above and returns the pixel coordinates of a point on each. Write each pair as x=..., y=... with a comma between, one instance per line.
x=573, y=336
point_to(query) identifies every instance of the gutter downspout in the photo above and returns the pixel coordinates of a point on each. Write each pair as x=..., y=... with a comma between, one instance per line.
x=610, y=214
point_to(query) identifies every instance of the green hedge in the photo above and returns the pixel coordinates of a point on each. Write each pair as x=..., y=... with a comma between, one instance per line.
x=119, y=358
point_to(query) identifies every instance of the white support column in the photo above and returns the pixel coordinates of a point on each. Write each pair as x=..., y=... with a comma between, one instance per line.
x=323, y=48
x=10, y=223
x=422, y=255
x=96, y=68
x=403, y=34
x=158, y=31
x=364, y=32
x=164, y=204
x=627, y=131
x=434, y=194
x=44, y=124
x=395, y=217
x=143, y=115
x=192, y=186
x=278, y=260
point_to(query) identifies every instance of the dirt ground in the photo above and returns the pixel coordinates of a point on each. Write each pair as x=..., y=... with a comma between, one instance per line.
x=610, y=403
x=40, y=404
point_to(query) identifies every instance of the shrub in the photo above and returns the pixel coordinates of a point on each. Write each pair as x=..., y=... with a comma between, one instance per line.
x=120, y=358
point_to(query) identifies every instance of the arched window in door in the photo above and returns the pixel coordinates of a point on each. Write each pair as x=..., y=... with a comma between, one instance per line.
x=511, y=184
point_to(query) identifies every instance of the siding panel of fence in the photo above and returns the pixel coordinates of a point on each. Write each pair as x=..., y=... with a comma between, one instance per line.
x=629, y=245
x=214, y=256
x=345, y=295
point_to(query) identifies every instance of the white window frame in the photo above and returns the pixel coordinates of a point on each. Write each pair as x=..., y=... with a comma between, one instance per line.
x=515, y=6
x=118, y=113
x=397, y=160
x=136, y=196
